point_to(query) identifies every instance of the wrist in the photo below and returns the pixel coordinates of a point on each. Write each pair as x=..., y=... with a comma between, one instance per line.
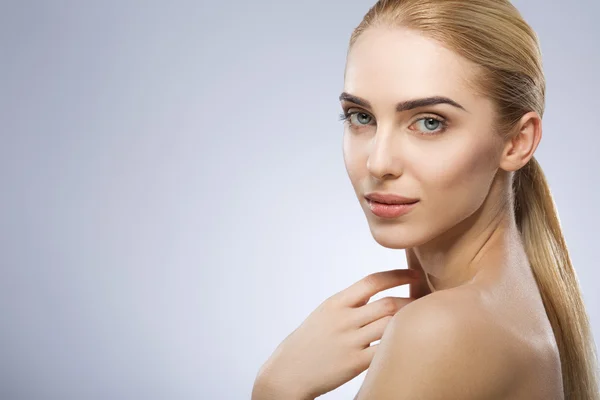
x=267, y=388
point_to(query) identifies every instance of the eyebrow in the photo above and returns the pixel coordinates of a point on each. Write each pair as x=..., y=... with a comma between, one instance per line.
x=405, y=105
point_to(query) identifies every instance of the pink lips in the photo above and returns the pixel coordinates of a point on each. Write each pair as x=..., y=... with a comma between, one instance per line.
x=390, y=210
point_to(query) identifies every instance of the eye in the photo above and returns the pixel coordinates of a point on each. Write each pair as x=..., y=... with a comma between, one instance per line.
x=430, y=124
x=357, y=119
x=361, y=118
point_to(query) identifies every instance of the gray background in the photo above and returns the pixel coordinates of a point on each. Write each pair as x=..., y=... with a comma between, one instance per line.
x=173, y=195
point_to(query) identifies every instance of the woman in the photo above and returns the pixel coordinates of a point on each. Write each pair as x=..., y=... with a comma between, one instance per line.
x=442, y=108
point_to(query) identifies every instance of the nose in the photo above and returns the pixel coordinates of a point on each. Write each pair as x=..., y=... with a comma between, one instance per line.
x=384, y=157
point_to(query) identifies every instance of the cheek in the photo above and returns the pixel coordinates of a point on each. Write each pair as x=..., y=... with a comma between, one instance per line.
x=354, y=158
x=458, y=182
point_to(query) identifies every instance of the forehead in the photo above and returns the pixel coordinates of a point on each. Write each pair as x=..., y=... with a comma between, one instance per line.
x=392, y=64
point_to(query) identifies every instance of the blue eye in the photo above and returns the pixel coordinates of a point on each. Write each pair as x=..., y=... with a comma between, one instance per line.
x=430, y=123
x=360, y=115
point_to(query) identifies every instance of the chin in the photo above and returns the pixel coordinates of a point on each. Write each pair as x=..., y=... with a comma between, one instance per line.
x=393, y=238
x=393, y=244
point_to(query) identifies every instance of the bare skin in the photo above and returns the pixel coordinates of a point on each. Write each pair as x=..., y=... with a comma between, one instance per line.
x=505, y=297
x=462, y=232
x=461, y=237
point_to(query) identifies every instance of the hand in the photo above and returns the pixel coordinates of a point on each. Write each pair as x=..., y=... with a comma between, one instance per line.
x=332, y=345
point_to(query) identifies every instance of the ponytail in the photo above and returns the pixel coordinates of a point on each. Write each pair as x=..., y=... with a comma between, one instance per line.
x=539, y=225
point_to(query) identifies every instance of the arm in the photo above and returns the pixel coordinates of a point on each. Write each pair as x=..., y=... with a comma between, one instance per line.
x=436, y=349
x=265, y=389
x=269, y=386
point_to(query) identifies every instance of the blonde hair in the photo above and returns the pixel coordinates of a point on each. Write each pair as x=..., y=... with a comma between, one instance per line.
x=493, y=35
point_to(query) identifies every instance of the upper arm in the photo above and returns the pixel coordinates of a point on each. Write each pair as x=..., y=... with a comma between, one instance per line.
x=432, y=350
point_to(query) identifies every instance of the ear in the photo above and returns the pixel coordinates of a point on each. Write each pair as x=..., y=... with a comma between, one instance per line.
x=520, y=148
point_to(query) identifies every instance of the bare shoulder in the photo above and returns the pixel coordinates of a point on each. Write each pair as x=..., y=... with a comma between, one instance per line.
x=443, y=345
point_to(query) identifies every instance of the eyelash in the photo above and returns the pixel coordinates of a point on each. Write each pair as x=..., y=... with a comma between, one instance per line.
x=345, y=117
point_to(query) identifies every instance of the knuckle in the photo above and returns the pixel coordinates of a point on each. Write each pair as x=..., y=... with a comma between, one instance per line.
x=328, y=304
x=389, y=305
x=371, y=282
x=332, y=300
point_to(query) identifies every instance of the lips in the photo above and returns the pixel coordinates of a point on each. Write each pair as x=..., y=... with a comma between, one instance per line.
x=392, y=203
x=390, y=210
x=388, y=198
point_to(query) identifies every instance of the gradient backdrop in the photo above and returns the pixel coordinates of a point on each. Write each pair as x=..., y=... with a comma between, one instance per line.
x=173, y=198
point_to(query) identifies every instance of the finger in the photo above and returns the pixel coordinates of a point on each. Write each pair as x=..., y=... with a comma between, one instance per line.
x=366, y=355
x=362, y=360
x=378, y=309
x=360, y=292
x=372, y=332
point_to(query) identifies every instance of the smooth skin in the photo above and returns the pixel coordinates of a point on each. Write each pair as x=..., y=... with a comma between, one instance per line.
x=483, y=332
x=332, y=345
x=474, y=326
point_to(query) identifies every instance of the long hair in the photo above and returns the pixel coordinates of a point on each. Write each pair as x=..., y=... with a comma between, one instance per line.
x=493, y=35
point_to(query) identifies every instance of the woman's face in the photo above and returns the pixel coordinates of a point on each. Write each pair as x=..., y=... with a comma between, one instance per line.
x=448, y=166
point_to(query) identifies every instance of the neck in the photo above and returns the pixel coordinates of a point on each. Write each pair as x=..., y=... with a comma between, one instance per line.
x=477, y=244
